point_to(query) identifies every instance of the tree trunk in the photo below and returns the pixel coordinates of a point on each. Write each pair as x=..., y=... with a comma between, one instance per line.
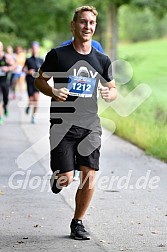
x=112, y=32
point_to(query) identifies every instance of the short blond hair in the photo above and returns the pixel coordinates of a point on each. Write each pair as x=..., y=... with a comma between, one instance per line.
x=84, y=8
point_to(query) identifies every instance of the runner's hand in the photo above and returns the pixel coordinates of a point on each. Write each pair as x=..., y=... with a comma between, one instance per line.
x=5, y=69
x=60, y=94
x=105, y=92
x=31, y=71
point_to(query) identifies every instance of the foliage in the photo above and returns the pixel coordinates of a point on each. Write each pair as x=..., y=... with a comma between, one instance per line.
x=12, y=39
x=31, y=19
x=136, y=24
x=147, y=125
x=159, y=7
x=6, y=24
x=50, y=19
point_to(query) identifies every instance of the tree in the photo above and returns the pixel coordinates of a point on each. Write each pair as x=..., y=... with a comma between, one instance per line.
x=36, y=20
x=111, y=7
x=112, y=26
x=147, y=24
x=32, y=20
x=109, y=12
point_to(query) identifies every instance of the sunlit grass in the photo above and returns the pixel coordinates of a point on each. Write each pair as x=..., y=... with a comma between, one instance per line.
x=147, y=125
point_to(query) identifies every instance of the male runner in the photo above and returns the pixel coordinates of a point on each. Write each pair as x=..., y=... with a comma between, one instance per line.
x=31, y=66
x=96, y=44
x=6, y=66
x=75, y=127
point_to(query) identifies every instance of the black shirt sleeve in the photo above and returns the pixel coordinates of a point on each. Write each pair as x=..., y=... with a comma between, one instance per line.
x=50, y=62
x=107, y=73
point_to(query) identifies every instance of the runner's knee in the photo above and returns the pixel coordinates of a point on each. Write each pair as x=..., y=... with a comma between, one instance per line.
x=65, y=178
x=88, y=176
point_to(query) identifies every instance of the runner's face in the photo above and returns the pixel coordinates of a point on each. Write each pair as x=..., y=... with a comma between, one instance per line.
x=35, y=50
x=85, y=25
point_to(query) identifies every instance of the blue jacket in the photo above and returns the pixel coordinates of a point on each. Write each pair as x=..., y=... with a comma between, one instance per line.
x=95, y=44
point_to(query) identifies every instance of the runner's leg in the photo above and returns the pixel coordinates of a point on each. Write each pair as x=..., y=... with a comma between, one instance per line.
x=85, y=191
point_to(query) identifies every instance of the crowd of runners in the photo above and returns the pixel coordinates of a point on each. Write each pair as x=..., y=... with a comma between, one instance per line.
x=17, y=66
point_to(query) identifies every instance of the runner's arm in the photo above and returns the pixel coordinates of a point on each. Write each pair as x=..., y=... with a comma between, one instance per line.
x=42, y=85
x=109, y=91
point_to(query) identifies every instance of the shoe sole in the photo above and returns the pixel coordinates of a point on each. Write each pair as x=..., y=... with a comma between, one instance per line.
x=54, y=189
x=72, y=235
x=27, y=110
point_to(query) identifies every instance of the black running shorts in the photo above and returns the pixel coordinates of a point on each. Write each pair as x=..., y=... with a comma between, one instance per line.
x=31, y=89
x=79, y=147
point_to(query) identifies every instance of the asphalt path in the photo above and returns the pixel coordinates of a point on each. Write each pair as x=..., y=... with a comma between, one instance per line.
x=128, y=211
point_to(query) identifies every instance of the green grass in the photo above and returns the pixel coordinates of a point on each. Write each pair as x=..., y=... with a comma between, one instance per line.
x=146, y=127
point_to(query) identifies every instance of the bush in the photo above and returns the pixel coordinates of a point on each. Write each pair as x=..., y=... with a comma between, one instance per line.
x=137, y=25
x=12, y=39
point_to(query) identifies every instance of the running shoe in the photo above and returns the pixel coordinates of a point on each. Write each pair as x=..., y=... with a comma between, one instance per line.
x=78, y=231
x=27, y=110
x=1, y=121
x=6, y=112
x=33, y=120
x=55, y=187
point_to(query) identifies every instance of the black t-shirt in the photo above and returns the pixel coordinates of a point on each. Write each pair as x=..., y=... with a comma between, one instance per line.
x=3, y=62
x=33, y=63
x=64, y=62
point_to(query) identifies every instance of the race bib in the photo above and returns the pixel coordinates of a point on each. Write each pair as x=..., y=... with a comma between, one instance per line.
x=81, y=86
